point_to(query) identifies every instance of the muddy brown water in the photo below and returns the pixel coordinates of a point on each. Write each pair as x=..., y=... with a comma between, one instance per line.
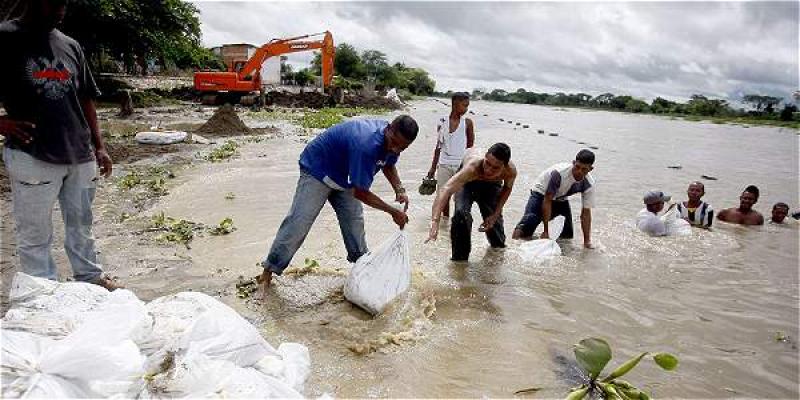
x=494, y=325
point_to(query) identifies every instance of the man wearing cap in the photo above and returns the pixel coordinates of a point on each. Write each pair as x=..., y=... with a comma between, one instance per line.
x=648, y=221
x=53, y=145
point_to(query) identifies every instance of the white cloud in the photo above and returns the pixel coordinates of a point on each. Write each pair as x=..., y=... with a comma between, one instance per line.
x=668, y=49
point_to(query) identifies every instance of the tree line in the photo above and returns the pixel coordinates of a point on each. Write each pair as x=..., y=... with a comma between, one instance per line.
x=355, y=70
x=139, y=36
x=700, y=105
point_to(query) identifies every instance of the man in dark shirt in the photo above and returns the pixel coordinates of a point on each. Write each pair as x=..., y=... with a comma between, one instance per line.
x=53, y=143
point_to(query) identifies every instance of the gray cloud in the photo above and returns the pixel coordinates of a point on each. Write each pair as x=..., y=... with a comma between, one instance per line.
x=668, y=49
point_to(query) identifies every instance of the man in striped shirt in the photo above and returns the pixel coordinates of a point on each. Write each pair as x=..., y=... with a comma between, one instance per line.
x=695, y=211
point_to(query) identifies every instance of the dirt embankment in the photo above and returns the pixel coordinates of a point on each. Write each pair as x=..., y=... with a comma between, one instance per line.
x=320, y=100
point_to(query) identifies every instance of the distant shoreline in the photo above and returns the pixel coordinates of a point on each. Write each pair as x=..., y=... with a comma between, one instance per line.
x=731, y=120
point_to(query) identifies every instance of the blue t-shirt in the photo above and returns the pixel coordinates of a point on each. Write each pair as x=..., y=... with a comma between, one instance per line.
x=349, y=154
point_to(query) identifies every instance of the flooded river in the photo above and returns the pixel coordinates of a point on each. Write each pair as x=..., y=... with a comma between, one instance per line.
x=716, y=298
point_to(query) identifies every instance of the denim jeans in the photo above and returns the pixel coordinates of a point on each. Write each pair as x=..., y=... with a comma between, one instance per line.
x=309, y=197
x=533, y=216
x=35, y=187
x=486, y=194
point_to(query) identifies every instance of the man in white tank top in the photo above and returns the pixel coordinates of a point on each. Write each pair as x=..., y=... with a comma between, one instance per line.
x=455, y=134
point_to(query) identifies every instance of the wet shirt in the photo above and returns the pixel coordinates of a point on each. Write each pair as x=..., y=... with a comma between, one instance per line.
x=44, y=77
x=348, y=155
x=558, y=181
x=650, y=223
x=699, y=216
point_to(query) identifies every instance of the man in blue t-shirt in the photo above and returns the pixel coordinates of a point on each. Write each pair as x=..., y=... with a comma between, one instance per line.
x=338, y=167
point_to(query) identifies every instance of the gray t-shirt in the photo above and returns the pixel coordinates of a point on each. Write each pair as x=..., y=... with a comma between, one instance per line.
x=44, y=77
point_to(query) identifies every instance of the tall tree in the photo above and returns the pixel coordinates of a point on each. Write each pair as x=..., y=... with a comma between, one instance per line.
x=347, y=62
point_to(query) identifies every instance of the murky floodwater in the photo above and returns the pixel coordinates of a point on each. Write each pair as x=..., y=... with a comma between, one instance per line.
x=495, y=325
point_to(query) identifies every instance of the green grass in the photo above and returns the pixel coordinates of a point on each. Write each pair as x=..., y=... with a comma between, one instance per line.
x=153, y=178
x=316, y=119
x=224, y=152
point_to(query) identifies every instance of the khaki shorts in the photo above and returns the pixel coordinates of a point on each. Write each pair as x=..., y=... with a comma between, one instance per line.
x=443, y=174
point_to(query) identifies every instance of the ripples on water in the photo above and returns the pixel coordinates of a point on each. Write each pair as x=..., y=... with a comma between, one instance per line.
x=497, y=324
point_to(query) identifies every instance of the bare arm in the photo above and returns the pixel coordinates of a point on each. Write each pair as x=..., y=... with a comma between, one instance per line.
x=436, y=151
x=470, y=134
x=466, y=174
x=372, y=200
x=435, y=161
x=505, y=192
x=390, y=172
x=547, y=211
x=103, y=159
x=586, y=226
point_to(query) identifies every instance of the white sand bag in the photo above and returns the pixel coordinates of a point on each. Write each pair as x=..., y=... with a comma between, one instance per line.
x=199, y=376
x=98, y=359
x=216, y=350
x=544, y=248
x=165, y=137
x=676, y=226
x=49, y=308
x=378, y=277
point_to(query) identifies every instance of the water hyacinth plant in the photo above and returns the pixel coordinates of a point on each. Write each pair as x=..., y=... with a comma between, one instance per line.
x=593, y=355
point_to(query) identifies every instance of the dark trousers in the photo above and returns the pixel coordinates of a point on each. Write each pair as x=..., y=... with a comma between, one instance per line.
x=486, y=194
x=533, y=215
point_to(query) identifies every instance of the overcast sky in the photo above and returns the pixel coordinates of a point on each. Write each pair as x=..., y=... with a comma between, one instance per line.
x=668, y=49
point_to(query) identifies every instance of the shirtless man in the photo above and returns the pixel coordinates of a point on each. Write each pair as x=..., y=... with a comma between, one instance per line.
x=484, y=178
x=744, y=215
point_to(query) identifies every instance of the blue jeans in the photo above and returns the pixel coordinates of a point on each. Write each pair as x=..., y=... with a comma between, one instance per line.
x=533, y=216
x=35, y=187
x=309, y=197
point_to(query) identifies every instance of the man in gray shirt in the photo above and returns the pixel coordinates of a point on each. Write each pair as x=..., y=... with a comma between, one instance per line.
x=53, y=145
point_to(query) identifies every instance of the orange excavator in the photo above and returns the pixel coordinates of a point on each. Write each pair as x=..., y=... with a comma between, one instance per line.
x=242, y=80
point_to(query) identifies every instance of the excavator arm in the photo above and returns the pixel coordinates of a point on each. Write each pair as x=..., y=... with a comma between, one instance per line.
x=248, y=78
x=278, y=47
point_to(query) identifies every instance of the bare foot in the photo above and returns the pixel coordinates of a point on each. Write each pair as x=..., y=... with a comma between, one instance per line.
x=108, y=283
x=517, y=235
x=263, y=281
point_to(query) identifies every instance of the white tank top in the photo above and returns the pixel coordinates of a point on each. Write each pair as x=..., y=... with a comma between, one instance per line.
x=452, y=144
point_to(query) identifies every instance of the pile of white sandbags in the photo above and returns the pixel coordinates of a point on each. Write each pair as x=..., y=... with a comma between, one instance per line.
x=78, y=340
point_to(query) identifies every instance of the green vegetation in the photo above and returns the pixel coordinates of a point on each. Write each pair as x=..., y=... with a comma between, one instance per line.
x=246, y=287
x=355, y=70
x=224, y=152
x=593, y=355
x=153, y=178
x=698, y=107
x=310, y=266
x=139, y=35
x=317, y=119
x=175, y=230
x=225, y=227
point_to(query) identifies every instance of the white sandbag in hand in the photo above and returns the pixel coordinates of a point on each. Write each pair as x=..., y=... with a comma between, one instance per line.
x=676, y=226
x=378, y=277
x=544, y=248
